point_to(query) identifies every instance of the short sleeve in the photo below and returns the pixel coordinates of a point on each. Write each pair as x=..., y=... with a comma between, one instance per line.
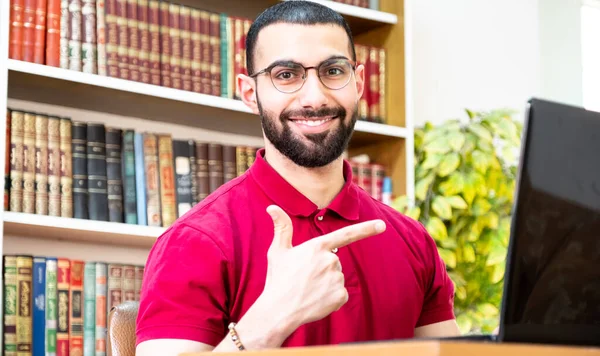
x=183, y=293
x=438, y=304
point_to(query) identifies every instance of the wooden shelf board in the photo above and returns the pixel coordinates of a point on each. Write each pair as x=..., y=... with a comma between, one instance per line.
x=79, y=230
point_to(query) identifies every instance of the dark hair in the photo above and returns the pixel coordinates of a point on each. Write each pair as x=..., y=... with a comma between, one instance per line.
x=294, y=12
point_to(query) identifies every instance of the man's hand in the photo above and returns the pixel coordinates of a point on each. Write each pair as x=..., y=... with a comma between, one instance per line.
x=307, y=279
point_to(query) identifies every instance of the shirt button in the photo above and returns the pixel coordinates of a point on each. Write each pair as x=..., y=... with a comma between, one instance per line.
x=320, y=218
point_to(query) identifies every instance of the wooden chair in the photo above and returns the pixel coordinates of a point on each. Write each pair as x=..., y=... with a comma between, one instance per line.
x=120, y=340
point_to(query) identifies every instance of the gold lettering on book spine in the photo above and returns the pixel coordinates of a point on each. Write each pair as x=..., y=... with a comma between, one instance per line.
x=16, y=161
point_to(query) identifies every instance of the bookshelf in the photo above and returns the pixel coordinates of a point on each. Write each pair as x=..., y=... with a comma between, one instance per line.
x=184, y=115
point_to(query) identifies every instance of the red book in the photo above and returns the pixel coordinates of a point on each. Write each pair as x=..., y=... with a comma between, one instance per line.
x=205, y=51
x=76, y=303
x=377, y=176
x=133, y=45
x=28, y=30
x=154, y=29
x=165, y=46
x=185, y=27
x=374, y=82
x=63, y=287
x=112, y=38
x=175, y=38
x=53, y=33
x=196, y=40
x=215, y=57
x=16, y=29
x=39, y=42
x=144, y=41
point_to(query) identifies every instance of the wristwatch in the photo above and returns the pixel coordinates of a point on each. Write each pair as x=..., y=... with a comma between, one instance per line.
x=234, y=337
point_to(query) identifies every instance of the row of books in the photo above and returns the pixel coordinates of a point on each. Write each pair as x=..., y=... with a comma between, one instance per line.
x=59, y=306
x=155, y=42
x=62, y=167
x=369, y=4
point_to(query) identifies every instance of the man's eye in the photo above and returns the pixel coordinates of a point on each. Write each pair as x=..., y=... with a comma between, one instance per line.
x=285, y=75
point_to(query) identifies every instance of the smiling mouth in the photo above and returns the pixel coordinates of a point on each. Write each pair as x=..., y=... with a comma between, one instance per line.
x=313, y=122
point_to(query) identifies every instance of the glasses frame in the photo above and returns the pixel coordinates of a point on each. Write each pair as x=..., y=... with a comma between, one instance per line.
x=268, y=70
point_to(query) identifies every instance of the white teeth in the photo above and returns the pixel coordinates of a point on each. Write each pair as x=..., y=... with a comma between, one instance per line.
x=312, y=122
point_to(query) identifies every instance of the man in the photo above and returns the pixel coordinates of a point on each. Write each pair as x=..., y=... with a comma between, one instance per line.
x=292, y=253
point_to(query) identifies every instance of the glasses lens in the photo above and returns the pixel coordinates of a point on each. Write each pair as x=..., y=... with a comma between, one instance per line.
x=335, y=74
x=287, y=77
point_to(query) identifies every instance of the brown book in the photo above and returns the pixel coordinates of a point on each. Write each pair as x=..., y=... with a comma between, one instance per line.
x=154, y=29
x=186, y=47
x=365, y=177
x=175, y=38
x=139, y=278
x=53, y=33
x=128, y=284
x=101, y=37
x=28, y=30
x=122, y=39
x=112, y=39
x=54, y=208
x=377, y=176
x=115, y=285
x=215, y=166
x=241, y=161
x=250, y=156
x=382, y=85
x=167, y=180
x=25, y=303
x=66, y=168
x=144, y=41
x=165, y=45
x=7, y=161
x=229, y=163
x=16, y=160
x=75, y=31
x=76, y=302
x=15, y=50
x=63, y=287
x=29, y=163
x=373, y=84
x=89, y=53
x=196, y=42
x=65, y=29
x=238, y=47
x=205, y=51
x=202, y=180
x=215, y=59
x=152, y=179
x=41, y=164
x=133, y=43
x=361, y=58
x=39, y=43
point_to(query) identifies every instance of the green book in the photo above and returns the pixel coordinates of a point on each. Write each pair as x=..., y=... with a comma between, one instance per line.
x=51, y=306
x=89, y=309
x=10, y=305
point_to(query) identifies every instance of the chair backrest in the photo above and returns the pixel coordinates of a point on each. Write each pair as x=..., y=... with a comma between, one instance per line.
x=121, y=338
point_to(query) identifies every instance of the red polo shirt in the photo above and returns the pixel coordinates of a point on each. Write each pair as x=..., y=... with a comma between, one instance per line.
x=209, y=267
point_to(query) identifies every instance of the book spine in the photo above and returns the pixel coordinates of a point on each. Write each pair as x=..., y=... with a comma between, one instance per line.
x=41, y=164
x=230, y=59
x=215, y=166
x=54, y=197
x=167, y=180
x=165, y=46
x=224, y=55
x=377, y=176
x=114, y=174
x=89, y=309
x=128, y=168
x=39, y=306
x=183, y=176
x=144, y=41
x=29, y=163
x=97, y=173
x=63, y=286
x=7, y=161
x=373, y=84
x=66, y=168
x=75, y=35
x=229, y=163
x=140, y=179
x=112, y=39
x=10, y=305
x=139, y=278
x=202, y=178
x=237, y=51
x=196, y=61
x=193, y=171
x=101, y=37
x=51, y=305
x=128, y=285
x=101, y=312
x=15, y=50
x=28, y=30
x=122, y=39
x=65, y=29
x=365, y=178
x=53, y=33
x=79, y=149
x=205, y=51
x=175, y=36
x=185, y=27
x=240, y=160
x=152, y=180
x=250, y=156
x=382, y=85
x=89, y=52
x=16, y=161
x=39, y=48
x=215, y=48
x=76, y=303
x=133, y=41
x=361, y=58
x=155, y=42
x=115, y=285
x=25, y=305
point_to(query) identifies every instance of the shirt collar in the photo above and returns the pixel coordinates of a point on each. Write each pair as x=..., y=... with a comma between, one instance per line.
x=283, y=194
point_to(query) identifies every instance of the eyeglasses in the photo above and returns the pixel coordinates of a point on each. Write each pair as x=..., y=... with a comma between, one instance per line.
x=289, y=76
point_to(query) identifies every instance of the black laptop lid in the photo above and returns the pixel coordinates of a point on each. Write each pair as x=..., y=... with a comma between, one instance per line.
x=552, y=290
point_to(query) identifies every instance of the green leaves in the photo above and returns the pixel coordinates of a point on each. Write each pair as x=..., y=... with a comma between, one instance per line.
x=441, y=207
x=449, y=164
x=456, y=140
x=481, y=132
x=457, y=202
x=449, y=257
x=436, y=228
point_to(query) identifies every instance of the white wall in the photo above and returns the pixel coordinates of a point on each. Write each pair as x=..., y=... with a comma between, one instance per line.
x=486, y=54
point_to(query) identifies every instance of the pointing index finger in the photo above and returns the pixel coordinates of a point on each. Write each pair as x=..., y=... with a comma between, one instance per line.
x=352, y=233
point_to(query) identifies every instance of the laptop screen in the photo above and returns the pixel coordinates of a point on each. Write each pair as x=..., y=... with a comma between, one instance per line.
x=552, y=292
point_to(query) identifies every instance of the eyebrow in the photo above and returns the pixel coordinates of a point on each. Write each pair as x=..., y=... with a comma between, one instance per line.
x=287, y=61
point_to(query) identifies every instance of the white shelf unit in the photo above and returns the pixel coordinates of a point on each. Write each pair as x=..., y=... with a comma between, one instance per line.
x=125, y=103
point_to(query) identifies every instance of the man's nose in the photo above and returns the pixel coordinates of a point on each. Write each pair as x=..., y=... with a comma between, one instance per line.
x=312, y=94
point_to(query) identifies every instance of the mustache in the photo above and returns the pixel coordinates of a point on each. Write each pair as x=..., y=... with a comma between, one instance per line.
x=329, y=111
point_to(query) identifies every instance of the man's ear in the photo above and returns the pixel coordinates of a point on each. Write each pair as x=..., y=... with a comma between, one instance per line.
x=247, y=90
x=359, y=74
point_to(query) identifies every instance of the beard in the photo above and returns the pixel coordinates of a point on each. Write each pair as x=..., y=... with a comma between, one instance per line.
x=322, y=148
